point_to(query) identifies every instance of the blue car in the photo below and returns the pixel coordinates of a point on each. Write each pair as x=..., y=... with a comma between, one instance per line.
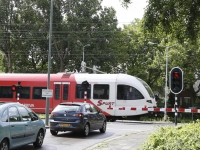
x=76, y=116
x=19, y=126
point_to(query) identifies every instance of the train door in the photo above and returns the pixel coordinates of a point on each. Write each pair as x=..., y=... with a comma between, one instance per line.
x=104, y=97
x=127, y=97
x=61, y=93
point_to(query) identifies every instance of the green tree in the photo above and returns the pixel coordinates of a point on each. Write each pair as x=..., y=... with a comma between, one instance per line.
x=87, y=22
x=180, y=18
x=138, y=57
x=8, y=18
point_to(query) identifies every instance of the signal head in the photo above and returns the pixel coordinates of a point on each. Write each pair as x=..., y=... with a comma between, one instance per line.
x=13, y=88
x=85, y=85
x=176, y=80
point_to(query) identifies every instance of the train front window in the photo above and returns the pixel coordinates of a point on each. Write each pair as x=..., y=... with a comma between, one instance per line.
x=126, y=92
x=101, y=91
x=80, y=91
x=37, y=93
x=147, y=88
x=6, y=92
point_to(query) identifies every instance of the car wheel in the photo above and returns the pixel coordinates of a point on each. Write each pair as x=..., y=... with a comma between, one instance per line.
x=86, y=130
x=53, y=132
x=103, y=129
x=39, y=139
x=4, y=145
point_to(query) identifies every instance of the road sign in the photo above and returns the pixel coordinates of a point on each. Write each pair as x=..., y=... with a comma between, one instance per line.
x=47, y=93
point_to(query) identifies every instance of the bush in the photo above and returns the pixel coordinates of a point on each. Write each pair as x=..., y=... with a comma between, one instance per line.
x=181, y=137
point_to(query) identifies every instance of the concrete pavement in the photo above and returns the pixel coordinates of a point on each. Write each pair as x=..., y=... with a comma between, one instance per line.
x=131, y=141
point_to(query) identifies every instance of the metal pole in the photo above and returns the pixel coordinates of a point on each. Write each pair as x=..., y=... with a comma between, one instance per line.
x=165, y=115
x=83, y=52
x=176, y=112
x=49, y=64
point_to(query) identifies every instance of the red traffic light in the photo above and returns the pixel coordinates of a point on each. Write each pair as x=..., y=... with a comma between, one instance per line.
x=16, y=87
x=13, y=88
x=176, y=80
x=176, y=75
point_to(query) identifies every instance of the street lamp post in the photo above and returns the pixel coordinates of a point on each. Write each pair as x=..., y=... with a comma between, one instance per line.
x=166, y=88
x=83, y=50
x=49, y=63
x=83, y=64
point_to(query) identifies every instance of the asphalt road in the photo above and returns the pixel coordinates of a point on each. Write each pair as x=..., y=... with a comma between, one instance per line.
x=115, y=130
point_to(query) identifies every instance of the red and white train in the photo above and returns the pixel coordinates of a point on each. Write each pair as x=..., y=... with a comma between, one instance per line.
x=116, y=95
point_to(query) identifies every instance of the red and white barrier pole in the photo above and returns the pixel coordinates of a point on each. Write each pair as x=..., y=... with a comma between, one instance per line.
x=85, y=96
x=18, y=96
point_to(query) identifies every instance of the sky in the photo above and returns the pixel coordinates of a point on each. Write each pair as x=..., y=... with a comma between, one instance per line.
x=126, y=16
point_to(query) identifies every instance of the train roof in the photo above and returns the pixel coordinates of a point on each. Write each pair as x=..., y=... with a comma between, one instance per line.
x=28, y=77
x=54, y=77
x=104, y=77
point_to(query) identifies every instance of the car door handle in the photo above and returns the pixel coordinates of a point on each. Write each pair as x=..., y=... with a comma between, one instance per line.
x=12, y=125
x=26, y=125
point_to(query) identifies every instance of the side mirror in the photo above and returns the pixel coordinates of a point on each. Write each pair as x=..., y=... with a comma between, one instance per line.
x=34, y=118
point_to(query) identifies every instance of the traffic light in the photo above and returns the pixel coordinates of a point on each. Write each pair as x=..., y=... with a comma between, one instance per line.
x=85, y=85
x=176, y=80
x=16, y=87
x=13, y=88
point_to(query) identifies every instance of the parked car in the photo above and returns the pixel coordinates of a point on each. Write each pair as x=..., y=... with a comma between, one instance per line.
x=73, y=116
x=19, y=126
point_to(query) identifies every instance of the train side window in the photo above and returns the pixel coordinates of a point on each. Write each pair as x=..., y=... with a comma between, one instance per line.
x=24, y=93
x=101, y=91
x=65, y=91
x=57, y=92
x=126, y=92
x=6, y=92
x=138, y=95
x=37, y=93
x=80, y=91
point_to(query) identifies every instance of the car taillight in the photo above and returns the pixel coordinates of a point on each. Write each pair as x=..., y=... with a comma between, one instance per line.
x=78, y=115
x=54, y=114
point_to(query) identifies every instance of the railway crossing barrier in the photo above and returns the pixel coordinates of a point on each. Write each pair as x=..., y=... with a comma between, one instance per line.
x=156, y=109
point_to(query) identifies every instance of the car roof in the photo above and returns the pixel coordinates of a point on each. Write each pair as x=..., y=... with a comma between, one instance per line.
x=4, y=105
x=73, y=103
x=8, y=103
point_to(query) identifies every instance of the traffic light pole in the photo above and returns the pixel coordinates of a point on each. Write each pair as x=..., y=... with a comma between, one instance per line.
x=176, y=112
x=176, y=87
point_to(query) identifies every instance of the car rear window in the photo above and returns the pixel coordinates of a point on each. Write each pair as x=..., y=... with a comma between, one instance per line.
x=68, y=108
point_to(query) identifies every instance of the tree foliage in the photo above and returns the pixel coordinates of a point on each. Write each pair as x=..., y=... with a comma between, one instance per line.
x=24, y=39
x=184, y=136
x=25, y=34
x=179, y=18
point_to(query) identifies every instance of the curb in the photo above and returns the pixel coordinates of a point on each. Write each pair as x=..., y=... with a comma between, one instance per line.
x=104, y=142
